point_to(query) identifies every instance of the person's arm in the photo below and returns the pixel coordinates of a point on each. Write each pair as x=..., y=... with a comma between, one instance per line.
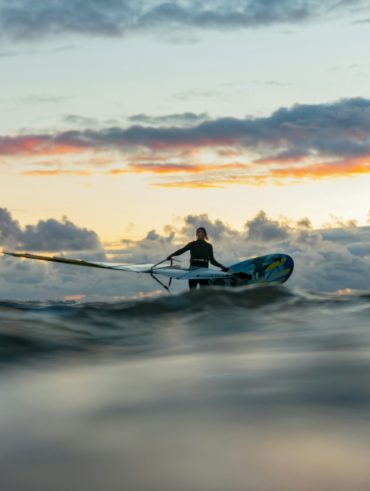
x=213, y=261
x=180, y=251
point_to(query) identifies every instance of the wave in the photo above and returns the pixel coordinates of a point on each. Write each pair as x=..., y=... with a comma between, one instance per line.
x=215, y=298
x=35, y=329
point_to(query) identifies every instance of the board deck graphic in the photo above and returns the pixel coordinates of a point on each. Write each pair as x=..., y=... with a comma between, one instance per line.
x=273, y=268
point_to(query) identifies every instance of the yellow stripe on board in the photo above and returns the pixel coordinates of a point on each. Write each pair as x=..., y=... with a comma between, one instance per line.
x=276, y=263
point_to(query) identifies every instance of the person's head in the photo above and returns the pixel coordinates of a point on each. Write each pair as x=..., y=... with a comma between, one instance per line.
x=201, y=233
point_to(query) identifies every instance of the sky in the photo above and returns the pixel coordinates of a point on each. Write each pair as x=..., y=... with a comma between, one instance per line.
x=121, y=119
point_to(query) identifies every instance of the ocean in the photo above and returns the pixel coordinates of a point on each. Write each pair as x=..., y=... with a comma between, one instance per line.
x=260, y=389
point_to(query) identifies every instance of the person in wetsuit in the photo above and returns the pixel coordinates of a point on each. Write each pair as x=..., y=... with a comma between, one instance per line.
x=201, y=254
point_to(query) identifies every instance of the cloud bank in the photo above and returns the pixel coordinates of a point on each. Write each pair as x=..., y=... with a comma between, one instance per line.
x=47, y=235
x=332, y=259
x=305, y=141
x=25, y=20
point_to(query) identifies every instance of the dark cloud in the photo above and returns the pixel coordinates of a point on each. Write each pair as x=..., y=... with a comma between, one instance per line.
x=47, y=235
x=361, y=249
x=152, y=235
x=216, y=229
x=190, y=95
x=182, y=119
x=152, y=248
x=10, y=231
x=53, y=235
x=24, y=20
x=80, y=120
x=264, y=229
x=355, y=239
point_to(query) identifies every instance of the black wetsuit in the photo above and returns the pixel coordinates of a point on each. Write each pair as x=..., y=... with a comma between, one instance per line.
x=201, y=254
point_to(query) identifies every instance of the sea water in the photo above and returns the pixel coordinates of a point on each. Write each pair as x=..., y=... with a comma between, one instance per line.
x=261, y=389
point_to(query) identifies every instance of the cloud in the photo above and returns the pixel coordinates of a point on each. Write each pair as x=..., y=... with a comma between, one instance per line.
x=174, y=168
x=24, y=20
x=54, y=235
x=310, y=141
x=362, y=21
x=10, y=232
x=325, y=260
x=7, y=53
x=263, y=229
x=47, y=235
x=42, y=99
x=80, y=120
x=55, y=172
x=334, y=129
x=182, y=119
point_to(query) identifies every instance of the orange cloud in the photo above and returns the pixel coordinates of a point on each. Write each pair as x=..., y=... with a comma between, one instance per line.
x=277, y=176
x=55, y=172
x=190, y=184
x=176, y=168
x=220, y=181
x=357, y=166
x=37, y=145
x=222, y=175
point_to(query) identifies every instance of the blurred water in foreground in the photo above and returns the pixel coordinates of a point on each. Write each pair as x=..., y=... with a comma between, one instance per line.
x=257, y=389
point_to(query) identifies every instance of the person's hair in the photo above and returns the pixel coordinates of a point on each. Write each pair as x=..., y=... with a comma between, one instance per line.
x=204, y=231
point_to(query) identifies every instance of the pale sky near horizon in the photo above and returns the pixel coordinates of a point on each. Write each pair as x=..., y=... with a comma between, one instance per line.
x=70, y=83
